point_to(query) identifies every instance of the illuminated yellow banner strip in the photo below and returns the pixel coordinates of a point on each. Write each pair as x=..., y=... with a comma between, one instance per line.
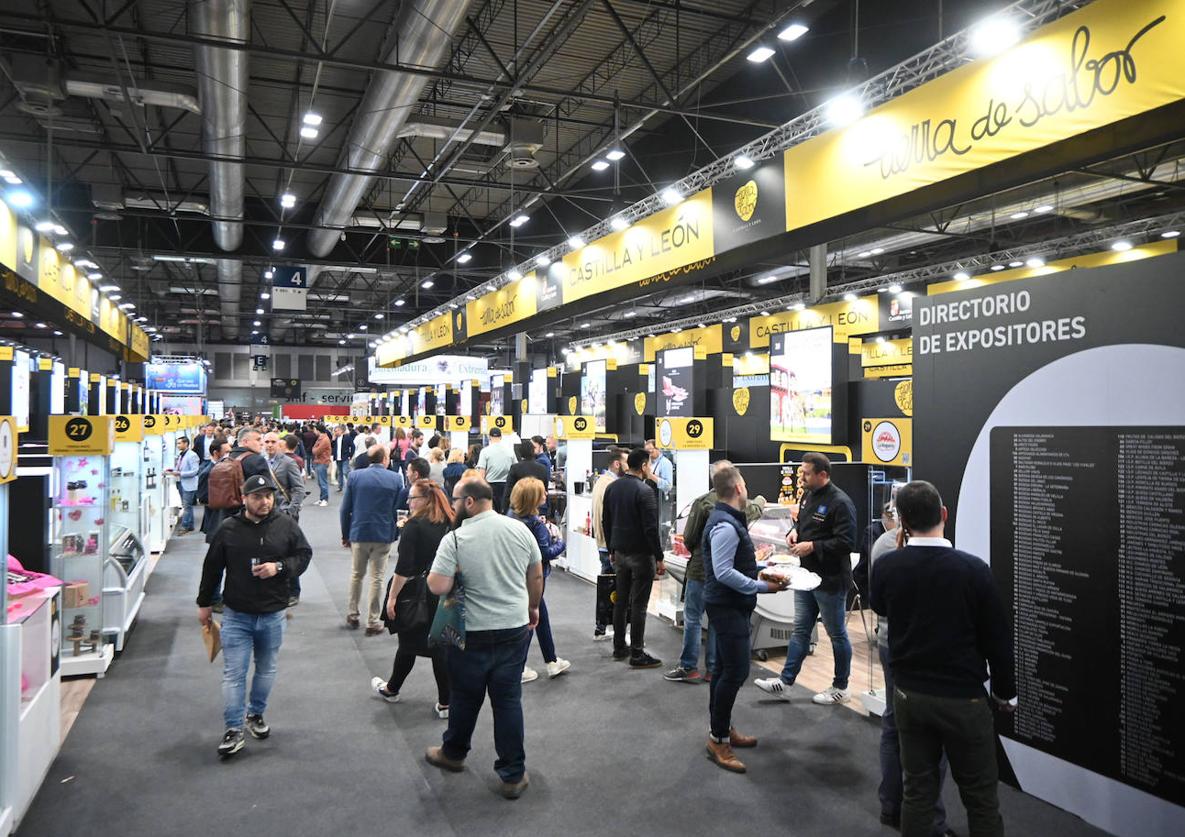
x=847, y=318
x=511, y=304
x=1109, y=61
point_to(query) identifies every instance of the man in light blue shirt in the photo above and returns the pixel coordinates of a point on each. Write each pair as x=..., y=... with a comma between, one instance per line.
x=188, y=465
x=664, y=471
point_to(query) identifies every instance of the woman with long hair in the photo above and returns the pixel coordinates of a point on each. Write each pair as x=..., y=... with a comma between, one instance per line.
x=525, y=500
x=430, y=518
x=436, y=466
x=453, y=470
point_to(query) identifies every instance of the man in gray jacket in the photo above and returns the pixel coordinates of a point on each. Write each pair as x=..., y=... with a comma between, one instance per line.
x=291, y=491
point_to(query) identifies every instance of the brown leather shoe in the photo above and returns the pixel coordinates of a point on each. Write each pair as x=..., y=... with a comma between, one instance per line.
x=352, y=623
x=374, y=630
x=722, y=754
x=436, y=757
x=738, y=740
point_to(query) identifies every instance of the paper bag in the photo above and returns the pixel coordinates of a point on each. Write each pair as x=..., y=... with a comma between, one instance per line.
x=212, y=638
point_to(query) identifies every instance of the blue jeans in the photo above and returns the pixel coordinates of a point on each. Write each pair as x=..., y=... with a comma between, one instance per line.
x=242, y=634
x=188, y=498
x=693, y=614
x=808, y=604
x=730, y=666
x=492, y=663
x=891, y=788
x=543, y=632
x=322, y=472
x=343, y=470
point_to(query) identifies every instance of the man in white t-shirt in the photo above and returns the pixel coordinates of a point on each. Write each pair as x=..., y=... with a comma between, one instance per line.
x=499, y=567
x=495, y=462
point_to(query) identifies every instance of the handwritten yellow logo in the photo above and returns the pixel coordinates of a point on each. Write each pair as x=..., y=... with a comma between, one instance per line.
x=903, y=395
x=746, y=200
x=740, y=400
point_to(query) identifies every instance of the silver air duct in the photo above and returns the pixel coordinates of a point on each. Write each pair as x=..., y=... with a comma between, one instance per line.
x=222, y=87
x=421, y=31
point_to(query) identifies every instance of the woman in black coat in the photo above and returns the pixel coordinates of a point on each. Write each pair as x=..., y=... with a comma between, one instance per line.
x=430, y=519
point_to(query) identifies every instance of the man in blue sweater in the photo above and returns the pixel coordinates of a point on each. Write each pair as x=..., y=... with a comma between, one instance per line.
x=949, y=627
x=368, y=530
x=730, y=594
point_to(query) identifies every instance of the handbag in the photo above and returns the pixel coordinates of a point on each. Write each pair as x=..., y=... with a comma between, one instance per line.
x=448, y=625
x=413, y=611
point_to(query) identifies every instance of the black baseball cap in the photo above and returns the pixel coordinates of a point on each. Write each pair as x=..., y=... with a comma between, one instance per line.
x=495, y=433
x=258, y=483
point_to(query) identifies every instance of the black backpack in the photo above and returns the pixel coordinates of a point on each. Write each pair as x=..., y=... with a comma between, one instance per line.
x=203, y=484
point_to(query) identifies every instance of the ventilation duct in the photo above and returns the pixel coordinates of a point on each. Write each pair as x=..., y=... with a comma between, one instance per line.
x=425, y=127
x=43, y=82
x=222, y=85
x=423, y=35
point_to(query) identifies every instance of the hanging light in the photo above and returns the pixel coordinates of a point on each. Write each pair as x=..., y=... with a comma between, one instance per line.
x=760, y=54
x=844, y=109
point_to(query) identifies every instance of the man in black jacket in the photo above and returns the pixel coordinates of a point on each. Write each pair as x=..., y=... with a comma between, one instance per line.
x=343, y=453
x=949, y=626
x=823, y=539
x=527, y=466
x=630, y=522
x=260, y=551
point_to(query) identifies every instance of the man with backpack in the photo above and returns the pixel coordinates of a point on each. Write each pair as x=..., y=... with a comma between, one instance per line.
x=226, y=478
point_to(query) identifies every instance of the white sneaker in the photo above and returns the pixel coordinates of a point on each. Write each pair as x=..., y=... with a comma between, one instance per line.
x=530, y=674
x=379, y=686
x=601, y=637
x=773, y=686
x=558, y=667
x=322, y=502
x=830, y=696
x=442, y=712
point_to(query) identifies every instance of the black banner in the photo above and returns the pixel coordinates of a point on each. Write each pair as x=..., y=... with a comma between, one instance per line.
x=675, y=382
x=288, y=388
x=749, y=206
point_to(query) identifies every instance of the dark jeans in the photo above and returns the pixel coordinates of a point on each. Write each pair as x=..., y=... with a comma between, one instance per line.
x=492, y=663
x=405, y=661
x=499, y=489
x=343, y=471
x=963, y=727
x=188, y=498
x=635, y=577
x=730, y=664
x=890, y=790
x=543, y=632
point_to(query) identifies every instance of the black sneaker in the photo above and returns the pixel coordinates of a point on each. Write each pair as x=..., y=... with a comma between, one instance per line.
x=621, y=653
x=258, y=727
x=644, y=660
x=232, y=742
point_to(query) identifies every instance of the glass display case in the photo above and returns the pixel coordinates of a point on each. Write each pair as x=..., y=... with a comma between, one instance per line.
x=773, y=618
x=152, y=492
x=79, y=540
x=125, y=573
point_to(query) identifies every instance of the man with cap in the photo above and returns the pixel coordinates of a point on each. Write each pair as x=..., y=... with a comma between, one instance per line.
x=260, y=551
x=495, y=462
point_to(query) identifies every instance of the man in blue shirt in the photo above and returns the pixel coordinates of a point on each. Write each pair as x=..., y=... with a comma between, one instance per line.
x=731, y=586
x=187, y=468
x=661, y=467
x=368, y=530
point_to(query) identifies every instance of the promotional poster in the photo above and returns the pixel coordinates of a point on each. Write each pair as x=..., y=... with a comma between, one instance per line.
x=592, y=392
x=676, y=368
x=188, y=378
x=537, y=392
x=801, y=384
x=1050, y=414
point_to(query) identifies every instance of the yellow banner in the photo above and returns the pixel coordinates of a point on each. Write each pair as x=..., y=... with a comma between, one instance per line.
x=457, y=424
x=503, y=423
x=897, y=370
x=8, y=237
x=750, y=364
x=1111, y=60
x=665, y=241
x=437, y=333
x=1144, y=251
x=685, y=433
x=426, y=422
x=887, y=441
x=69, y=435
x=847, y=318
x=886, y=352
x=513, y=303
x=709, y=338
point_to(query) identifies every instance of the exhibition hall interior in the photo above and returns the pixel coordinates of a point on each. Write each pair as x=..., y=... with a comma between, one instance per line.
x=632, y=366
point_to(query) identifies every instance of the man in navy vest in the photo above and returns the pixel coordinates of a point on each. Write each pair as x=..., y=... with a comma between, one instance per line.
x=730, y=594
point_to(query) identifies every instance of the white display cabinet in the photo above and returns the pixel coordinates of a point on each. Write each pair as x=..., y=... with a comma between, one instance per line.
x=152, y=490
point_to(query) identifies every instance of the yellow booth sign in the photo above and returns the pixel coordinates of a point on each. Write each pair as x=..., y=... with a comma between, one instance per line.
x=575, y=427
x=72, y=435
x=457, y=424
x=128, y=428
x=503, y=423
x=685, y=433
x=401, y=421
x=426, y=422
x=887, y=441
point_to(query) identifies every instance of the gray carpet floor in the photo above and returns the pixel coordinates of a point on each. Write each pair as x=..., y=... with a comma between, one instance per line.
x=609, y=750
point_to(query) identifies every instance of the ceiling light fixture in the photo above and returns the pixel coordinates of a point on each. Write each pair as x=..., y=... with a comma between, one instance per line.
x=618, y=223
x=308, y=132
x=962, y=276
x=894, y=289
x=399, y=303
x=1016, y=263
x=278, y=244
x=793, y=32
x=45, y=226
x=258, y=310
x=586, y=325
x=108, y=288
x=1170, y=233
x=1035, y=261
x=312, y=118
x=115, y=297
x=744, y=162
x=257, y=323
x=1043, y=208
x=575, y=242
x=849, y=297
x=127, y=306
x=600, y=165
x=518, y=220
x=514, y=274
x=876, y=251
x=18, y=315
x=760, y=54
x=671, y=196
x=843, y=110
x=1121, y=246
x=94, y=276
x=465, y=258
x=864, y=254
x=629, y=315
x=287, y=200
x=550, y=334
x=997, y=267
x=542, y=260
x=1019, y=216
x=265, y=295
x=379, y=315
x=65, y=246
x=993, y=35
x=427, y=284
x=614, y=154
x=269, y=273
x=799, y=306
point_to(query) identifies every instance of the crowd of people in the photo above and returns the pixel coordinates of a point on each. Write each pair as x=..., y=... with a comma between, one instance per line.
x=470, y=533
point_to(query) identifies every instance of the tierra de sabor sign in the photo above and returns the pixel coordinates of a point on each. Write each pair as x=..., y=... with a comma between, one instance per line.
x=1111, y=60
